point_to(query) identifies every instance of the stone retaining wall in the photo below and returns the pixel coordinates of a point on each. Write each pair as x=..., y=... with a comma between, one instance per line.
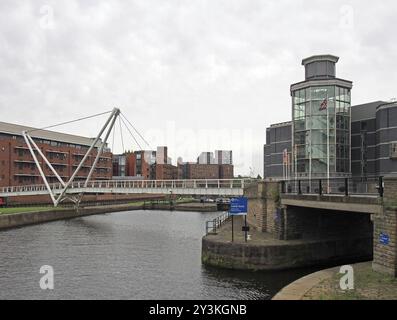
x=8, y=221
x=286, y=256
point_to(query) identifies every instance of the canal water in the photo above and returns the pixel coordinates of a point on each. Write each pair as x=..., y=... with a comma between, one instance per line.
x=127, y=255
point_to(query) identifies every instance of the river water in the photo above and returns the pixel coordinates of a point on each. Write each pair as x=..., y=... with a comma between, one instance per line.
x=126, y=255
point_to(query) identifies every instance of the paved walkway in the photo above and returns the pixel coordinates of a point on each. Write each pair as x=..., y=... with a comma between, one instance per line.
x=298, y=289
x=256, y=237
x=324, y=285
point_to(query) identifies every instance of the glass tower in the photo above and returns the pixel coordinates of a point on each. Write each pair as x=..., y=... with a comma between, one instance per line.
x=321, y=121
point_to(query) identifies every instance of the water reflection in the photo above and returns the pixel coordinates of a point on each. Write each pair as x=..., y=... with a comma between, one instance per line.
x=130, y=255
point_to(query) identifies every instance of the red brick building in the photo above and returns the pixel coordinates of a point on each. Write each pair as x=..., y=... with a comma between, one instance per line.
x=145, y=164
x=166, y=172
x=63, y=151
x=124, y=165
x=131, y=164
x=194, y=171
x=226, y=171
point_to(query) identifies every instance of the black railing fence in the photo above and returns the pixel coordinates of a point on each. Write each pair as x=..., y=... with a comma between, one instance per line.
x=368, y=186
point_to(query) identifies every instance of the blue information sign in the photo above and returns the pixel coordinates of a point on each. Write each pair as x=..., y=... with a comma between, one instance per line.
x=384, y=239
x=239, y=206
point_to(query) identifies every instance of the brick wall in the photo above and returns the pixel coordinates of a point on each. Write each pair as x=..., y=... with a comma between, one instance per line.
x=385, y=254
x=256, y=205
x=200, y=171
x=262, y=205
x=166, y=172
x=385, y=226
x=130, y=165
x=226, y=171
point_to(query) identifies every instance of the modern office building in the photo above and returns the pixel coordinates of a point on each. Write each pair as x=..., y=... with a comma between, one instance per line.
x=374, y=139
x=64, y=152
x=278, y=142
x=328, y=137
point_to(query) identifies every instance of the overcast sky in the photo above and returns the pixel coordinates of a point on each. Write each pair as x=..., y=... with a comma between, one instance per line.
x=196, y=75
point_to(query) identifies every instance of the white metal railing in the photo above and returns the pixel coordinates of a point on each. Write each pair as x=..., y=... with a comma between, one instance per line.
x=136, y=184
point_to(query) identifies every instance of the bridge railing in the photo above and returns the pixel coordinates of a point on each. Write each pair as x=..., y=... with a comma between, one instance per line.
x=137, y=184
x=366, y=186
x=163, y=184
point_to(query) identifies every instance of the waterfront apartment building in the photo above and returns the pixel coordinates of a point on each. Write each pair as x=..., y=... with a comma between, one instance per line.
x=64, y=152
x=328, y=137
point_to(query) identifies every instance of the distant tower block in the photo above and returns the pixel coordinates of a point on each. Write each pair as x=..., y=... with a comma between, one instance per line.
x=162, y=155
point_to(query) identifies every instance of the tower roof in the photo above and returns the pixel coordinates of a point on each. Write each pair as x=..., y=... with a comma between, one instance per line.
x=322, y=57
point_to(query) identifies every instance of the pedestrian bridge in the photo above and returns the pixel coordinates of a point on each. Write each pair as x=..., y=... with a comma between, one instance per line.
x=227, y=188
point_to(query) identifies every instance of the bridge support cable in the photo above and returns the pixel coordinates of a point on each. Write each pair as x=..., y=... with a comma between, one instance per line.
x=132, y=135
x=123, y=117
x=66, y=185
x=122, y=137
x=69, y=122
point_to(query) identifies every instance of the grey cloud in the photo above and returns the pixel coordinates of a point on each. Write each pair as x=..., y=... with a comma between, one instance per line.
x=203, y=64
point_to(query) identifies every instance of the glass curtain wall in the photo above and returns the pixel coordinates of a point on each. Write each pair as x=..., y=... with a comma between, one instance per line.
x=321, y=118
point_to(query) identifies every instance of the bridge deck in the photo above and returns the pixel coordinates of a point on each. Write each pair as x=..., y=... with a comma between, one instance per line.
x=353, y=203
x=234, y=187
